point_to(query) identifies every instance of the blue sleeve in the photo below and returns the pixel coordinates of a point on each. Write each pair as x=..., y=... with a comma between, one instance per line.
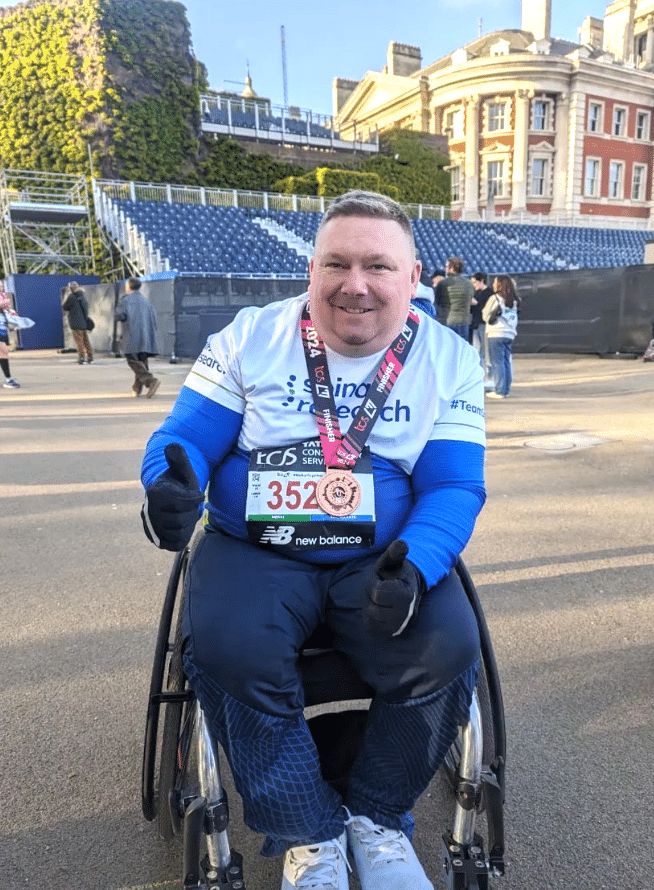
x=449, y=492
x=207, y=431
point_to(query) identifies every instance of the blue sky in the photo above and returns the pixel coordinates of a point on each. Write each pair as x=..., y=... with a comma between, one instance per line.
x=343, y=38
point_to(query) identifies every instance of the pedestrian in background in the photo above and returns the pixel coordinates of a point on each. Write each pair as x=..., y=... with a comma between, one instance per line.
x=77, y=309
x=501, y=316
x=436, y=277
x=6, y=315
x=140, y=340
x=455, y=294
x=477, y=324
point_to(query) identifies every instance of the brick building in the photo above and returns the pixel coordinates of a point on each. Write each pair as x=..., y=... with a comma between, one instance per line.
x=535, y=125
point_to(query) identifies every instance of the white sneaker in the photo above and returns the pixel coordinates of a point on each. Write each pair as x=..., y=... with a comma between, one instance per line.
x=317, y=866
x=384, y=858
x=494, y=395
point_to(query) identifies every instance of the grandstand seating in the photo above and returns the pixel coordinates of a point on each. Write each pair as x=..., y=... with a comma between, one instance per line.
x=223, y=240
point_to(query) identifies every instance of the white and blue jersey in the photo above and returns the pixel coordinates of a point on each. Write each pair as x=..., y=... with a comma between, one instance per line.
x=250, y=389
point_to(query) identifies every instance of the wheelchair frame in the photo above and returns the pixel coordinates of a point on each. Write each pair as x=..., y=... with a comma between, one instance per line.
x=474, y=765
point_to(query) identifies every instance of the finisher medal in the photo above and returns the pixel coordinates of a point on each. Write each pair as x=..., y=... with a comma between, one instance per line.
x=338, y=493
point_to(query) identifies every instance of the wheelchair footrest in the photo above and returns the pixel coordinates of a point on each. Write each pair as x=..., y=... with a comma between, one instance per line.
x=465, y=865
x=229, y=878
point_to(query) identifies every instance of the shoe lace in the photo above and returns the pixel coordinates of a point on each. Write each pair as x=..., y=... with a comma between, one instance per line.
x=381, y=845
x=317, y=865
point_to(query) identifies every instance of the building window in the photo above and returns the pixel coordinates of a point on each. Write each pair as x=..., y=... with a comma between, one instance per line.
x=496, y=112
x=538, y=183
x=591, y=184
x=619, y=121
x=495, y=179
x=642, y=126
x=454, y=124
x=594, y=118
x=616, y=179
x=541, y=115
x=455, y=183
x=640, y=46
x=638, y=179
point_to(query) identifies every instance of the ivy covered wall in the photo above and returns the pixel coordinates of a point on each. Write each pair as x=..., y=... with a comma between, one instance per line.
x=117, y=76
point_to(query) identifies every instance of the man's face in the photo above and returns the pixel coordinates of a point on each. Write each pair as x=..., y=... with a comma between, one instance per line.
x=363, y=275
x=436, y=279
x=478, y=285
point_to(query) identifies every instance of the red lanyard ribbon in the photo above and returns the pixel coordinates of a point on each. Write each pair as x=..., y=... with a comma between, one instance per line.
x=343, y=451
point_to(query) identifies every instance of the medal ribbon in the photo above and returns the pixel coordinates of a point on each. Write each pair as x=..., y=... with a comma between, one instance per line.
x=344, y=451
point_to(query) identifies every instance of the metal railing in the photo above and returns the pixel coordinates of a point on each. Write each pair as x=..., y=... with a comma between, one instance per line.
x=256, y=118
x=215, y=197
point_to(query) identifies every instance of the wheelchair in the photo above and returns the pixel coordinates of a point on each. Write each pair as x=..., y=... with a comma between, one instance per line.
x=187, y=796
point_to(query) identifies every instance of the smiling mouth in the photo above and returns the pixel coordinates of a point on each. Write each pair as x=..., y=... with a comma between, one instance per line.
x=354, y=310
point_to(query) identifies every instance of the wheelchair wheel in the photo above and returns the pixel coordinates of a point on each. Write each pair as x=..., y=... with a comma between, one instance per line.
x=167, y=688
x=163, y=649
x=489, y=696
x=172, y=758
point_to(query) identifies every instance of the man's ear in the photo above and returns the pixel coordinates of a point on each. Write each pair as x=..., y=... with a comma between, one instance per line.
x=415, y=277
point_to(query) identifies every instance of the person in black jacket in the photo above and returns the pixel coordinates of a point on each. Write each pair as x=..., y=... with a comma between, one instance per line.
x=477, y=323
x=78, y=316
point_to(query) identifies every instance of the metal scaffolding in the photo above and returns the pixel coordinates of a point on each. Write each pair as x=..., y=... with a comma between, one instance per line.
x=45, y=223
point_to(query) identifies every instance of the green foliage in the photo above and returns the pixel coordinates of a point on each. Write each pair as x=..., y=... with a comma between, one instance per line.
x=111, y=76
x=229, y=165
x=406, y=170
x=297, y=185
x=158, y=81
x=332, y=183
x=414, y=168
x=50, y=81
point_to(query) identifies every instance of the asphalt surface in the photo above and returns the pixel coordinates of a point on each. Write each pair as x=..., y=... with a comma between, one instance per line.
x=562, y=558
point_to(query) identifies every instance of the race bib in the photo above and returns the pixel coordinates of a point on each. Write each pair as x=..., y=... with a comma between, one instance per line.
x=282, y=509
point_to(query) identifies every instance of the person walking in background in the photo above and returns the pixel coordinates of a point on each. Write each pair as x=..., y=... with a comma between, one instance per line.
x=6, y=314
x=477, y=324
x=501, y=316
x=77, y=308
x=455, y=294
x=436, y=277
x=140, y=336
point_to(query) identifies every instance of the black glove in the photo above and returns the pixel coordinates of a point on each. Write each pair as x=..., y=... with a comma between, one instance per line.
x=393, y=592
x=170, y=511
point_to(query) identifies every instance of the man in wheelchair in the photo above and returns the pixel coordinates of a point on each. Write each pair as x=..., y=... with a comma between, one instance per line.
x=341, y=436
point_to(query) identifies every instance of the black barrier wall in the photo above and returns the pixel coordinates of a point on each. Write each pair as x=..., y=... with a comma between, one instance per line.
x=602, y=311
x=204, y=306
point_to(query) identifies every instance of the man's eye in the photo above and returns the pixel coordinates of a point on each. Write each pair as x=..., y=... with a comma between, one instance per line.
x=379, y=267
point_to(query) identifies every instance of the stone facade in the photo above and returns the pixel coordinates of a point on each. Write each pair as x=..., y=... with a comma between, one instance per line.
x=535, y=125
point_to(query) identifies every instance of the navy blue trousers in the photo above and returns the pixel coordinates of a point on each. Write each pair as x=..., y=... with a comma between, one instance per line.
x=248, y=611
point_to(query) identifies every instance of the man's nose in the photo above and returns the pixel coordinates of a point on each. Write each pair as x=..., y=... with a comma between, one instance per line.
x=355, y=282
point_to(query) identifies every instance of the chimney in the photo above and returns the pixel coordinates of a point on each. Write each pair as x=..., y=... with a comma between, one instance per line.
x=537, y=18
x=403, y=59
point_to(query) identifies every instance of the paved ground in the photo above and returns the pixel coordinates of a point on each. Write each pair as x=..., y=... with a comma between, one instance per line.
x=562, y=557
